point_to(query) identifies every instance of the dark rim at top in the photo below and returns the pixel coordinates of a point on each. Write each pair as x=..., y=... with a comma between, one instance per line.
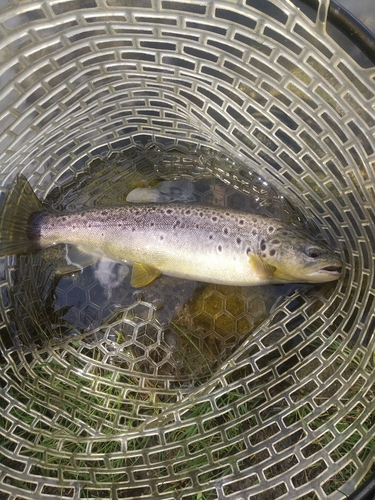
x=344, y=21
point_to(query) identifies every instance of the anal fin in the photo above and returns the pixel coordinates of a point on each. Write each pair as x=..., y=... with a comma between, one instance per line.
x=143, y=275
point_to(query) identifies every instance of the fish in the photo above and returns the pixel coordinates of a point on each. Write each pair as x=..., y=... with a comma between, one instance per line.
x=190, y=241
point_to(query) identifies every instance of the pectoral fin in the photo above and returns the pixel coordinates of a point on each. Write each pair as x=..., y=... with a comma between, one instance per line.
x=143, y=275
x=261, y=268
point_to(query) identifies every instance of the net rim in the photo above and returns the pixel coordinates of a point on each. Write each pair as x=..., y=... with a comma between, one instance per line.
x=345, y=22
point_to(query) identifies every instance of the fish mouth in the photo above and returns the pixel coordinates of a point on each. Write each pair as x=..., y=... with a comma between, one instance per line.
x=331, y=270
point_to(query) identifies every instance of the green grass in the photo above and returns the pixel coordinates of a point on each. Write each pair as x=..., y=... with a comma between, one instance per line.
x=200, y=359
x=99, y=412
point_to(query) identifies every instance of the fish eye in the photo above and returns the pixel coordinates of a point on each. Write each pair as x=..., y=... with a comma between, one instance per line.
x=314, y=253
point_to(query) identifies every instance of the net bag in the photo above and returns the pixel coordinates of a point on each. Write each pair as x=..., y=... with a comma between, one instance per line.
x=274, y=84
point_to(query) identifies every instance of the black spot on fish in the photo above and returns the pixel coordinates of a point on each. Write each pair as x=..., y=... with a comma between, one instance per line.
x=201, y=214
x=188, y=212
x=161, y=238
x=104, y=212
x=64, y=219
x=210, y=237
x=272, y=252
x=275, y=242
x=248, y=250
x=220, y=248
x=169, y=211
x=238, y=240
x=263, y=247
x=241, y=222
x=271, y=229
x=214, y=219
x=226, y=231
x=152, y=224
x=254, y=232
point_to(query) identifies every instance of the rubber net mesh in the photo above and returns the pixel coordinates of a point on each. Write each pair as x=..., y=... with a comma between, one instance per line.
x=287, y=411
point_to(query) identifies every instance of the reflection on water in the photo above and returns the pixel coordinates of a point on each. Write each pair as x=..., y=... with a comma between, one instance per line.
x=173, y=328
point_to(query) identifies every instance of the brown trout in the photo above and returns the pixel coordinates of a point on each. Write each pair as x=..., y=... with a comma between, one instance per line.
x=191, y=241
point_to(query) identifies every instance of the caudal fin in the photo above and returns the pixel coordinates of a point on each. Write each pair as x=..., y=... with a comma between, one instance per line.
x=20, y=203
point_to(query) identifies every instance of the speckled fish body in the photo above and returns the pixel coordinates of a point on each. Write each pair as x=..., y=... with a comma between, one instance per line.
x=195, y=242
x=210, y=244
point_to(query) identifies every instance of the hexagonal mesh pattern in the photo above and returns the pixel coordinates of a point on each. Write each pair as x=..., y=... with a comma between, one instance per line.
x=103, y=412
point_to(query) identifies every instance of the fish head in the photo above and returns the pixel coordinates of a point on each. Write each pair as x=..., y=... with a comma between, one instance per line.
x=300, y=259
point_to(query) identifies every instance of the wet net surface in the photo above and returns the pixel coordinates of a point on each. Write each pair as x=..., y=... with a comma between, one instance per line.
x=292, y=407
